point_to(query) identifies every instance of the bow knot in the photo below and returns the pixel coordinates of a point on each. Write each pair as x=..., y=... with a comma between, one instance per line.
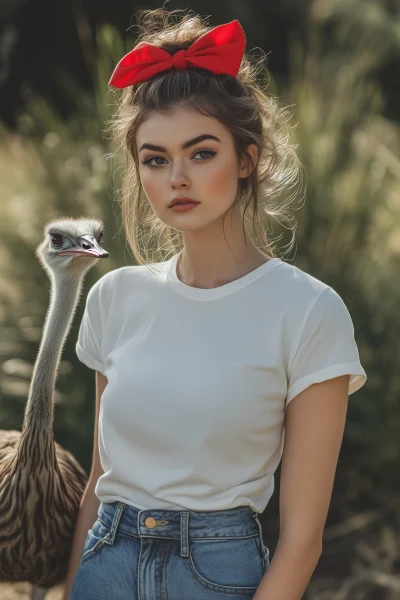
x=179, y=60
x=220, y=50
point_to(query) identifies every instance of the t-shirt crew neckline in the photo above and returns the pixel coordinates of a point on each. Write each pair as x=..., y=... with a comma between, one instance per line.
x=194, y=293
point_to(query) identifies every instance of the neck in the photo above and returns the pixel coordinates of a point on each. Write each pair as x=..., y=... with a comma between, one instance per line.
x=217, y=255
x=39, y=411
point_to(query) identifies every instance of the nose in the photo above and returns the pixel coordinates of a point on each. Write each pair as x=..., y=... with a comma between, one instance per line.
x=179, y=179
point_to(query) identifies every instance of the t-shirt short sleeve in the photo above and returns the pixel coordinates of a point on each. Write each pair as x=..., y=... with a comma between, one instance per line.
x=326, y=348
x=88, y=345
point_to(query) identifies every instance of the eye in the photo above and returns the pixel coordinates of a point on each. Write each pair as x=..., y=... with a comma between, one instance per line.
x=209, y=154
x=100, y=237
x=56, y=239
x=147, y=161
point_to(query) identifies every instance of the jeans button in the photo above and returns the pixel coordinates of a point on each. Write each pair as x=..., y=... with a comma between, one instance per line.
x=150, y=523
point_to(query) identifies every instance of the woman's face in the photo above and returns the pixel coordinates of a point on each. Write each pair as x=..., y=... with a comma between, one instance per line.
x=207, y=171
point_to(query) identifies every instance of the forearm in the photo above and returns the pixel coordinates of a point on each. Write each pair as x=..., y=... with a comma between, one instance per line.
x=289, y=572
x=87, y=515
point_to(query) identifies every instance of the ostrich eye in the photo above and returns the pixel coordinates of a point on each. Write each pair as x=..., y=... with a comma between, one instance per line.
x=100, y=238
x=56, y=239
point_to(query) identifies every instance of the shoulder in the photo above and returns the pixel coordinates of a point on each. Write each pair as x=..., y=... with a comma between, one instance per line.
x=299, y=287
x=134, y=274
x=128, y=277
x=306, y=299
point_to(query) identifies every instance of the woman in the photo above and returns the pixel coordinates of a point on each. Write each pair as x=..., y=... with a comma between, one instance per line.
x=215, y=363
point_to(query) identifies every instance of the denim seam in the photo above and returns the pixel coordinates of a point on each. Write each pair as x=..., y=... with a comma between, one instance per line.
x=177, y=537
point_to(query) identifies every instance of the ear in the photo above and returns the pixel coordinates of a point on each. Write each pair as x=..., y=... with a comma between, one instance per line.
x=245, y=165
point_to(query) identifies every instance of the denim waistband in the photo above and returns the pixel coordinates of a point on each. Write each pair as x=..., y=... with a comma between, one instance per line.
x=238, y=522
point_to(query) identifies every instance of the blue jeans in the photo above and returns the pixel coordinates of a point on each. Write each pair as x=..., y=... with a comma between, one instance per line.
x=154, y=554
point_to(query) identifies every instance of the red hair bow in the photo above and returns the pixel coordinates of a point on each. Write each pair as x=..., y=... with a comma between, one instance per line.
x=220, y=50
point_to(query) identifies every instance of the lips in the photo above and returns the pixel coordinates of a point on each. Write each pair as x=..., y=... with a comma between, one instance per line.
x=183, y=200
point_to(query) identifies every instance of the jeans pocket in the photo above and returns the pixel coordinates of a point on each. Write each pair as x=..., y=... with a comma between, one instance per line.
x=230, y=565
x=95, y=540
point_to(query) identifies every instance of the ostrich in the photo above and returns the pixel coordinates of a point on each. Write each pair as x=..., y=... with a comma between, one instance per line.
x=41, y=484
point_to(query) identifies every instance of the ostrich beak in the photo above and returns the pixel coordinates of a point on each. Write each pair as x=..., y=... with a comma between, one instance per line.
x=89, y=247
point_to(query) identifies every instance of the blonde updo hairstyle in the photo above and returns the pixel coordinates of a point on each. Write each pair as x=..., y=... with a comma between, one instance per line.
x=238, y=102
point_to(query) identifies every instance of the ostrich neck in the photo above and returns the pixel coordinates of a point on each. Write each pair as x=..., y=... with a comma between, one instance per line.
x=39, y=411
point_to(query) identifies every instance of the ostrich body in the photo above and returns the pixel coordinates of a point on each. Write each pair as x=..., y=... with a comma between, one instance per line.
x=41, y=484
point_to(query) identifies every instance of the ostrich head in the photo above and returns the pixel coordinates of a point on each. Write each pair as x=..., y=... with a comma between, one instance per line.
x=71, y=246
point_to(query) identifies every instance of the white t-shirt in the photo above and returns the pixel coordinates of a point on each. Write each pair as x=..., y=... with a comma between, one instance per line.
x=199, y=379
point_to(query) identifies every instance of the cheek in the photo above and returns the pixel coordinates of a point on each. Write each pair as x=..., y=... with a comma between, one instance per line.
x=150, y=185
x=223, y=179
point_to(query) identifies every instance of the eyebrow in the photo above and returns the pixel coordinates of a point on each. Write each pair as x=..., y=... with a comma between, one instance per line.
x=187, y=144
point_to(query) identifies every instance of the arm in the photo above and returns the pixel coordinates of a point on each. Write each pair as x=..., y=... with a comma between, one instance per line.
x=87, y=514
x=314, y=427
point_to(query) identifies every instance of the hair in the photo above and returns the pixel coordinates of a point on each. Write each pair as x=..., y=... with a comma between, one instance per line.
x=240, y=103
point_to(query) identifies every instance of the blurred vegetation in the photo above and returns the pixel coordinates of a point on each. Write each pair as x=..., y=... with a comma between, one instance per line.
x=348, y=235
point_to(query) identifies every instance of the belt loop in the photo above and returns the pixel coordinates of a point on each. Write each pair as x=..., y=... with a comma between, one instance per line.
x=116, y=519
x=184, y=534
x=260, y=532
x=138, y=522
